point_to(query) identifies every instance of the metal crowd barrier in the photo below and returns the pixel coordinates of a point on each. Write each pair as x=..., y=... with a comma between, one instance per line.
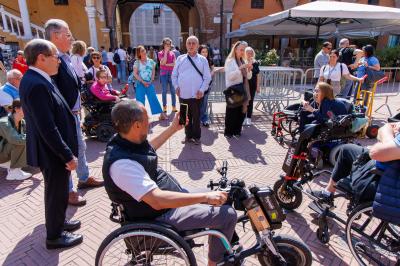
x=390, y=88
x=279, y=86
x=216, y=94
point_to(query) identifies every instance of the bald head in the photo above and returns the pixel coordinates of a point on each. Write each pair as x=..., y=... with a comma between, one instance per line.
x=344, y=43
x=14, y=77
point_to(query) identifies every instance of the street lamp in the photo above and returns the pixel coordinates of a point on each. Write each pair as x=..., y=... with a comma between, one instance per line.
x=221, y=30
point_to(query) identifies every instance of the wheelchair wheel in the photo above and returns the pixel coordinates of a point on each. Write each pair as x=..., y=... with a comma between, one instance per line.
x=372, y=131
x=293, y=250
x=288, y=197
x=104, y=132
x=144, y=244
x=371, y=240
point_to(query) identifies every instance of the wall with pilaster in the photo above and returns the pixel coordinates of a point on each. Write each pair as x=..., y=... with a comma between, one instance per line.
x=74, y=14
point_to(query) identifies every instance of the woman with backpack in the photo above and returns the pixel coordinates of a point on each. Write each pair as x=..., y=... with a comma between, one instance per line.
x=334, y=72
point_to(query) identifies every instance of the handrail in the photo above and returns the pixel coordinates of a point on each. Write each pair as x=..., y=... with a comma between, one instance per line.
x=11, y=17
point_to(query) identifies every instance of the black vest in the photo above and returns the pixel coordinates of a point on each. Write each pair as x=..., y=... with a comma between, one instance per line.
x=119, y=148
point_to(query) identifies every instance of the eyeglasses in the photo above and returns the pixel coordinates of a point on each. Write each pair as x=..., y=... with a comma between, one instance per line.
x=53, y=55
x=67, y=34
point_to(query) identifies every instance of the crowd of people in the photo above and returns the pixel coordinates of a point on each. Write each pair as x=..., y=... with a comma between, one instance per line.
x=41, y=118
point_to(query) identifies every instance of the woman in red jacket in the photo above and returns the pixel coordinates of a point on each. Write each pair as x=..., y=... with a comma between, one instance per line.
x=20, y=63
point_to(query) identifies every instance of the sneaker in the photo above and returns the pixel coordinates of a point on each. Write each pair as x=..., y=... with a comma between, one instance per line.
x=164, y=109
x=249, y=121
x=17, y=174
x=324, y=196
x=162, y=116
x=185, y=140
x=173, y=109
x=196, y=141
x=245, y=122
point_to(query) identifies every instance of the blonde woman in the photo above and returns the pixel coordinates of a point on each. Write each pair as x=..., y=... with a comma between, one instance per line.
x=78, y=51
x=254, y=82
x=237, y=71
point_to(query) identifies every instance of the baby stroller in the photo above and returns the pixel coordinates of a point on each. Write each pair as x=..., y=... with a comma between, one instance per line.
x=97, y=122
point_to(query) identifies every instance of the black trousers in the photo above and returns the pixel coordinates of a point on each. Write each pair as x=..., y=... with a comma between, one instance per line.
x=252, y=95
x=56, y=188
x=234, y=118
x=344, y=164
x=193, y=130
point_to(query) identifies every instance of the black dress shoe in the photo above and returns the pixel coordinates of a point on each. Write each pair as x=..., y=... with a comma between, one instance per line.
x=72, y=225
x=66, y=240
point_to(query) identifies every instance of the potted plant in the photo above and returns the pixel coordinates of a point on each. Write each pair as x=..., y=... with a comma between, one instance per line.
x=271, y=58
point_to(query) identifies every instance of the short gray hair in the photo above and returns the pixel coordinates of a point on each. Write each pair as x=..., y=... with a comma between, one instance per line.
x=53, y=25
x=13, y=74
x=344, y=42
x=36, y=47
x=192, y=37
x=125, y=113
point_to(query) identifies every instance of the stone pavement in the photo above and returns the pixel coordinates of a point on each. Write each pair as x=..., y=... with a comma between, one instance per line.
x=256, y=157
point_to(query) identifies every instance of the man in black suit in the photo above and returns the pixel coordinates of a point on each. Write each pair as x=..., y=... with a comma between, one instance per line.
x=57, y=31
x=50, y=139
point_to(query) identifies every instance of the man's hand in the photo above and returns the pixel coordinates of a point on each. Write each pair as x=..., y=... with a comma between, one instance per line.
x=217, y=198
x=199, y=94
x=396, y=127
x=178, y=92
x=71, y=165
x=175, y=123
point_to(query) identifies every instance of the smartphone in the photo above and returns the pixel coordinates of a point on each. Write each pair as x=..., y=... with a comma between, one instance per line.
x=183, y=112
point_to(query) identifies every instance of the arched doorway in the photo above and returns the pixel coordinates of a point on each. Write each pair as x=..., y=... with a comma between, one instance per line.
x=120, y=13
x=147, y=29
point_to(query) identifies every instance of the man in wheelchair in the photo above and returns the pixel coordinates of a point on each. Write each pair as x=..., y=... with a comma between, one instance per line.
x=133, y=179
x=387, y=149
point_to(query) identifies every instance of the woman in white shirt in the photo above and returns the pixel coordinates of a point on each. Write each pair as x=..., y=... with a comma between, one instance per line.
x=78, y=51
x=237, y=71
x=334, y=71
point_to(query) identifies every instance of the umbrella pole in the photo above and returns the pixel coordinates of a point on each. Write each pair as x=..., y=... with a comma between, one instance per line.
x=316, y=39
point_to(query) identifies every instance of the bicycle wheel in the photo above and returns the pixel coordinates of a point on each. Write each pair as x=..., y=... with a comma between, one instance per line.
x=293, y=250
x=144, y=244
x=371, y=240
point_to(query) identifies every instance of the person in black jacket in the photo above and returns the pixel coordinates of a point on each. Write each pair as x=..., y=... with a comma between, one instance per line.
x=51, y=140
x=69, y=84
x=326, y=102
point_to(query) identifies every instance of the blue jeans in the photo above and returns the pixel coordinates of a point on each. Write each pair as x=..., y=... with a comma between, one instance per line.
x=165, y=81
x=347, y=89
x=203, y=109
x=121, y=68
x=82, y=169
x=142, y=91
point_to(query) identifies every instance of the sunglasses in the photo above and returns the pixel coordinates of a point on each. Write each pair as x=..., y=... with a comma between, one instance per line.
x=96, y=57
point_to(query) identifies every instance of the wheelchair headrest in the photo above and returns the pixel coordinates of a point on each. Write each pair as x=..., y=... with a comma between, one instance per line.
x=347, y=103
x=308, y=95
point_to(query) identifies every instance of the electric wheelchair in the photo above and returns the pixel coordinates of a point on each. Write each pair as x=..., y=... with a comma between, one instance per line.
x=97, y=122
x=153, y=243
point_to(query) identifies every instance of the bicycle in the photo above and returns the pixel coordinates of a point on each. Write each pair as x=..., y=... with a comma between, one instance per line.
x=153, y=243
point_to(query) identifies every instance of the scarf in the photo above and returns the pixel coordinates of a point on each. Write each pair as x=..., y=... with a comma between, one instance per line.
x=245, y=84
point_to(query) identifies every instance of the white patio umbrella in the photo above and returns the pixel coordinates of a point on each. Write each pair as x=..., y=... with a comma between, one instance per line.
x=319, y=17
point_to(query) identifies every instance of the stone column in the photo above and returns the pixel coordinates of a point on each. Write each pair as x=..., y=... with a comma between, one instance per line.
x=91, y=13
x=3, y=17
x=23, y=8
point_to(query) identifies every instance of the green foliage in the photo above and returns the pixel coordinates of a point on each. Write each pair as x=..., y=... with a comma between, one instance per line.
x=389, y=57
x=270, y=58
